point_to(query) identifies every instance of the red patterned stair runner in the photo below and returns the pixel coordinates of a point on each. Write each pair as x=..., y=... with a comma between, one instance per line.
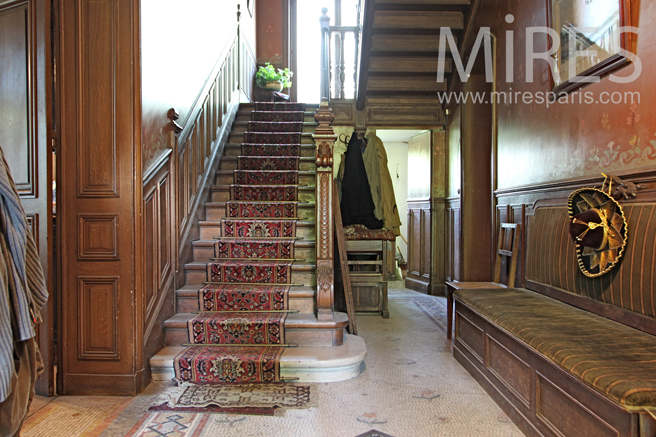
x=244, y=302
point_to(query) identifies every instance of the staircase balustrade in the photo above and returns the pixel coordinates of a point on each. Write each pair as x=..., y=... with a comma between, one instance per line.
x=324, y=138
x=198, y=142
x=336, y=73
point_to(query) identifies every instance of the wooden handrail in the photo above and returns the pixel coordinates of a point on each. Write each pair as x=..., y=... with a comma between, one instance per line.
x=324, y=138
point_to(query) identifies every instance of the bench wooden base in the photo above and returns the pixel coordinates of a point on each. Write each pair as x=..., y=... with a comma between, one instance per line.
x=539, y=397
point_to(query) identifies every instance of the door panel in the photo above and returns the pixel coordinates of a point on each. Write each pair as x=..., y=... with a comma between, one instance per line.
x=24, y=140
x=419, y=213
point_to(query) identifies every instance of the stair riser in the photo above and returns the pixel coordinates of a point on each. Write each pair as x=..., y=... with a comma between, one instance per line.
x=241, y=128
x=304, y=305
x=214, y=213
x=236, y=150
x=232, y=165
x=238, y=138
x=300, y=337
x=224, y=196
x=303, y=179
x=298, y=278
x=246, y=116
x=204, y=253
x=209, y=232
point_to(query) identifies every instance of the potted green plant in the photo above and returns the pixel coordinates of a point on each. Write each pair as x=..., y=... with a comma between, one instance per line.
x=270, y=78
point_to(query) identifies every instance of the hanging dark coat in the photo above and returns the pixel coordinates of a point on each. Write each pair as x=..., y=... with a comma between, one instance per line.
x=357, y=205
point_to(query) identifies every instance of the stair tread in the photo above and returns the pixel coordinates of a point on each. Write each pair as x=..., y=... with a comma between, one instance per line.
x=299, y=244
x=303, y=291
x=310, y=356
x=298, y=266
x=300, y=172
x=293, y=321
x=227, y=187
x=301, y=158
x=299, y=223
x=245, y=122
x=303, y=145
x=223, y=204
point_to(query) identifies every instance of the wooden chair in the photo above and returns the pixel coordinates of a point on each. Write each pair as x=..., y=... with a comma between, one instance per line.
x=509, y=237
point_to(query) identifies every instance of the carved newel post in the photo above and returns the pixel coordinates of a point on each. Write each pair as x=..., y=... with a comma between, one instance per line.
x=324, y=138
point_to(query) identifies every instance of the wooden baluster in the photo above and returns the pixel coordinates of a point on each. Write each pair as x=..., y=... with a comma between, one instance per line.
x=324, y=138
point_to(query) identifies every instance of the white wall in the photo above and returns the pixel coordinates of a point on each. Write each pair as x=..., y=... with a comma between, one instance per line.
x=397, y=162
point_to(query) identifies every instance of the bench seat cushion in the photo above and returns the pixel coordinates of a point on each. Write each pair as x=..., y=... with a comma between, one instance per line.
x=614, y=359
x=361, y=232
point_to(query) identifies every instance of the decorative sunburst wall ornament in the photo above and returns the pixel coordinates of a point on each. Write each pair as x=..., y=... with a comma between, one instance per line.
x=599, y=230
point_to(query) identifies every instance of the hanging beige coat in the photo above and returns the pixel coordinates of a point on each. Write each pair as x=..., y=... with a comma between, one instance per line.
x=380, y=182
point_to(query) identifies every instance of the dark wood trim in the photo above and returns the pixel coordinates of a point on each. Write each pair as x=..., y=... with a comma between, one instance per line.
x=639, y=176
x=612, y=312
x=156, y=166
x=365, y=44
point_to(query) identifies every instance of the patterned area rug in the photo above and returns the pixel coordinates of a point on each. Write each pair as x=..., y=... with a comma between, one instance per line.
x=296, y=396
x=228, y=364
x=275, y=126
x=270, y=150
x=254, y=249
x=262, y=209
x=267, y=163
x=279, y=106
x=256, y=177
x=245, y=328
x=278, y=116
x=245, y=299
x=230, y=297
x=266, y=193
x=272, y=137
x=258, y=228
x=260, y=272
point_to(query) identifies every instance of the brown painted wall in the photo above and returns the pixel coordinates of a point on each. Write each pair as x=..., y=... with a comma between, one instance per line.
x=539, y=144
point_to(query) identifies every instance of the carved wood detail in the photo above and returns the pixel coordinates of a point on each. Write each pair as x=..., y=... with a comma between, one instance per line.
x=97, y=322
x=97, y=237
x=324, y=138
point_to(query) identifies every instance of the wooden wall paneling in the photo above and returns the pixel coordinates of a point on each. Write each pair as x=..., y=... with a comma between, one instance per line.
x=426, y=228
x=476, y=193
x=101, y=283
x=150, y=249
x=24, y=137
x=419, y=212
x=453, y=239
x=159, y=248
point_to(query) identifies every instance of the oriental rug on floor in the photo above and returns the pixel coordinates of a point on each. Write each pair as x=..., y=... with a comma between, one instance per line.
x=238, y=336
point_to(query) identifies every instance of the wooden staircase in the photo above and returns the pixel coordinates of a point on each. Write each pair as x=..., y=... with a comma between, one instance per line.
x=325, y=352
x=398, y=68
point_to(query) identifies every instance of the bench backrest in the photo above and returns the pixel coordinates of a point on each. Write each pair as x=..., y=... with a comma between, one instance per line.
x=626, y=294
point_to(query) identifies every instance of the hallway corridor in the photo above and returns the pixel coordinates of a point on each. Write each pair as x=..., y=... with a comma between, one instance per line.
x=411, y=387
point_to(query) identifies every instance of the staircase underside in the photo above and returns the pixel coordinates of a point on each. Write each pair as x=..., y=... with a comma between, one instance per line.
x=398, y=72
x=324, y=352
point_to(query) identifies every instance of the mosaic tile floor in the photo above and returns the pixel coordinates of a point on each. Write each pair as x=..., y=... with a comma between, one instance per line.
x=410, y=386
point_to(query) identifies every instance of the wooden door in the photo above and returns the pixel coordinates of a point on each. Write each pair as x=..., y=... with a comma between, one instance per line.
x=419, y=212
x=24, y=140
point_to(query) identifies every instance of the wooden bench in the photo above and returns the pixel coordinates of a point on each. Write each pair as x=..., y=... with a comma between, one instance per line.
x=568, y=355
